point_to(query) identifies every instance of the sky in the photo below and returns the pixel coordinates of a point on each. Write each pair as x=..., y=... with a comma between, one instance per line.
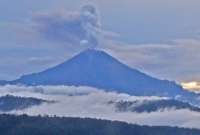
x=158, y=37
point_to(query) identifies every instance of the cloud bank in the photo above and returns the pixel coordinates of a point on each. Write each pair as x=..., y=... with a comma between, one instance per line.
x=93, y=103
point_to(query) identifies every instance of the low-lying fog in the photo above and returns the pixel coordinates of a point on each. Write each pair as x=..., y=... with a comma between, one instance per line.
x=93, y=103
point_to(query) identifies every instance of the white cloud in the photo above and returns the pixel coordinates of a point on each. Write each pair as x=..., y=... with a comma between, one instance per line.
x=93, y=103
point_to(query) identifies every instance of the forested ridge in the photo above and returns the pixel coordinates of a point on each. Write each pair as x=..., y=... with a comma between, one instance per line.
x=38, y=125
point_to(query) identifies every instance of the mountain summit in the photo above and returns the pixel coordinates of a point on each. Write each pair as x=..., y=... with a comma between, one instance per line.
x=98, y=69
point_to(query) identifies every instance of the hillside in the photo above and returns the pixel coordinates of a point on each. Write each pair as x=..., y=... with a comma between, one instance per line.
x=13, y=125
x=11, y=103
x=153, y=106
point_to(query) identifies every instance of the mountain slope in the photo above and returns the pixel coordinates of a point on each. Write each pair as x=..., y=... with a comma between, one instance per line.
x=98, y=69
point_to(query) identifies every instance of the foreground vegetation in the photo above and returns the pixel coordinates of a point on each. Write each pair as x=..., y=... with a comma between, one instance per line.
x=26, y=125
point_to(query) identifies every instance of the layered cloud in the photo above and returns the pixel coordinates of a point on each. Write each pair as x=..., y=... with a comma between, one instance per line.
x=94, y=103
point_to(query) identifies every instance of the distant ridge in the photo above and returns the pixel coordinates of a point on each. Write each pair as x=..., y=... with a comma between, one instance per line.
x=98, y=69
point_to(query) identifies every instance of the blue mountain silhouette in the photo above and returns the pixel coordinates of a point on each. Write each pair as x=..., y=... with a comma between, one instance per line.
x=98, y=69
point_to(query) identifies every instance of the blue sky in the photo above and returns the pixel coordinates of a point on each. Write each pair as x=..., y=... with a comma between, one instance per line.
x=160, y=37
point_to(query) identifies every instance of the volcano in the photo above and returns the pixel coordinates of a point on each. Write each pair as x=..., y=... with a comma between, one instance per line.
x=96, y=68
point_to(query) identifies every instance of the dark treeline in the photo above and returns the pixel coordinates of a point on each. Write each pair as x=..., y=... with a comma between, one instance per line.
x=152, y=106
x=10, y=103
x=27, y=125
